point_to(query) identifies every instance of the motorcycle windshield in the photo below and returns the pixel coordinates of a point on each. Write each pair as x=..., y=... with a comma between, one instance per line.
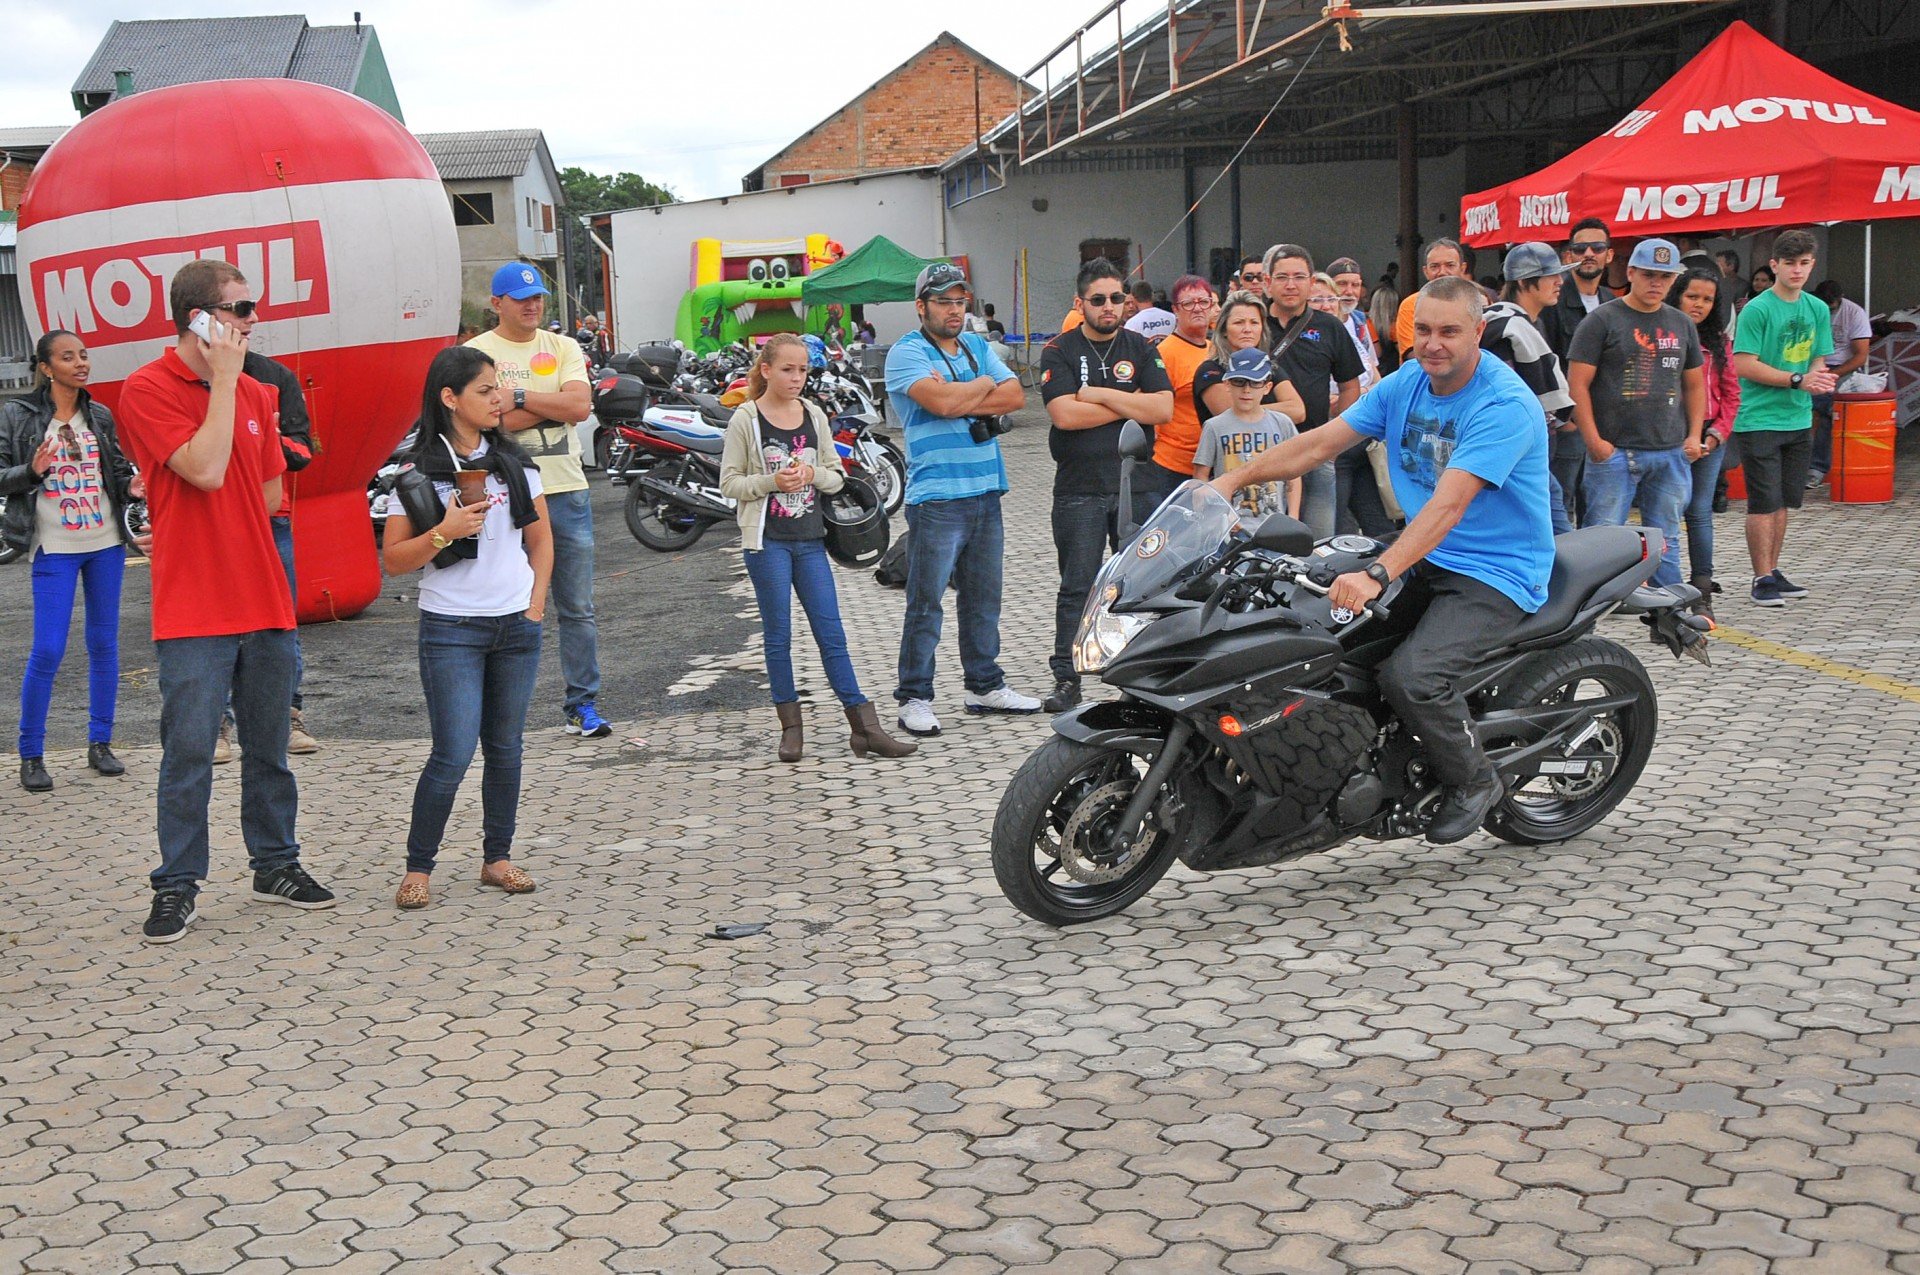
x=1193, y=524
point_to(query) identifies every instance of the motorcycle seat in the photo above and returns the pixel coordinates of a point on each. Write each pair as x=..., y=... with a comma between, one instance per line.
x=692, y=434
x=1583, y=561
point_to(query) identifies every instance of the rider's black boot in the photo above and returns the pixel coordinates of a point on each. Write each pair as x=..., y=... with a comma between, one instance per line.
x=1464, y=809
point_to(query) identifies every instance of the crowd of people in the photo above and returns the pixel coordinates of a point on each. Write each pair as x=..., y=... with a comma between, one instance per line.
x=1596, y=398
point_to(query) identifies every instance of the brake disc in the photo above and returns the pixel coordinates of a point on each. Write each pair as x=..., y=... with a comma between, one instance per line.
x=1090, y=867
x=1600, y=768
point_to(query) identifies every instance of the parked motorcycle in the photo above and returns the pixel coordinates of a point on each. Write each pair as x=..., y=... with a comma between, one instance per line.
x=673, y=479
x=1250, y=728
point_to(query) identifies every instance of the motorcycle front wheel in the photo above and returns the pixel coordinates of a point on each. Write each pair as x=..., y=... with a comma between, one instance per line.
x=1049, y=851
x=1550, y=808
x=659, y=525
x=890, y=475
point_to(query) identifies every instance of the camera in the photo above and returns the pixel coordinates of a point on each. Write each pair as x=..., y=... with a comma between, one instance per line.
x=983, y=428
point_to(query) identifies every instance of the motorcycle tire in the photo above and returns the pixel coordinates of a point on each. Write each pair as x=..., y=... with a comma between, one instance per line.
x=134, y=522
x=1062, y=782
x=890, y=476
x=660, y=527
x=1550, y=809
x=7, y=552
x=603, y=450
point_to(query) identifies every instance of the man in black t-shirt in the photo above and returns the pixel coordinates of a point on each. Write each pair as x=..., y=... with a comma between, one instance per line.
x=1314, y=351
x=1092, y=379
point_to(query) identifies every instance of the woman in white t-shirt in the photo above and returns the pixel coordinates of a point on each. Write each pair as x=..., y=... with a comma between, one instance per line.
x=65, y=480
x=472, y=514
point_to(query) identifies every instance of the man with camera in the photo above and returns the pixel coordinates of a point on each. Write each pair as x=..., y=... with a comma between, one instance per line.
x=948, y=389
x=1092, y=379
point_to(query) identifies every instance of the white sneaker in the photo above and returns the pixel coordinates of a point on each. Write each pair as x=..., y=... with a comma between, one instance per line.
x=1003, y=699
x=916, y=718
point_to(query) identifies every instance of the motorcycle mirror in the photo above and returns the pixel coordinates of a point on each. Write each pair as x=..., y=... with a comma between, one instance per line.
x=1281, y=534
x=1134, y=442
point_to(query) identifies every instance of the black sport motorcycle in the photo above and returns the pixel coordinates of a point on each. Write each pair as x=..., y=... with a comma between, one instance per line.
x=1250, y=728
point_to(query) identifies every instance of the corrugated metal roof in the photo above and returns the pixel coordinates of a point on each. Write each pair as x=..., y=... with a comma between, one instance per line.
x=31, y=139
x=169, y=51
x=480, y=155
x=329, y=55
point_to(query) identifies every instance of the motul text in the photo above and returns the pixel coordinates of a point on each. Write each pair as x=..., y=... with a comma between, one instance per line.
x=1764, y=110
x=120, y=291
x=1671, y=203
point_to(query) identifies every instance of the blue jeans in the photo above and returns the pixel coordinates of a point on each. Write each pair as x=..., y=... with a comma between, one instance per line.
x=55, y=577
x=478, y=673
x=962, y=541
x=197, y=675
x=283, y=541
x=1557, y=505
x=1319, y=492
x=1085, y=526
x=779, y=570
x=1706, y=476
x=1658, y=481
x=571, y=513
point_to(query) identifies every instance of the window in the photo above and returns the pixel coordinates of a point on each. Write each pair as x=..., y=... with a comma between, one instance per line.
x=472, y=210
x=796, y=179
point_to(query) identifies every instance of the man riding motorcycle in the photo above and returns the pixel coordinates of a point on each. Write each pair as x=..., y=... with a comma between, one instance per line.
x=1469, y=466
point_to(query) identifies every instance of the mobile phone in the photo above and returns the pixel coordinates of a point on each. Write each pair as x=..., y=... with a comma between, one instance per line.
x=203, y=326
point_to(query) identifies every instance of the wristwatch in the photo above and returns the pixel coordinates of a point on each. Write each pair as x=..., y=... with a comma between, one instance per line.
x=519, y=400
x=1793, y=381
x=439, y=541
x=1379, y=575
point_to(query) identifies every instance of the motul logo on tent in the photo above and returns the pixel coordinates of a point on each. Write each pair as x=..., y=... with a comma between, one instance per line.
x=1764, y=110
x=121, y=291
x=1631, y=124
x=1544, y=210
x=1898, y=184
x=1675, y=203
x=1482, y=218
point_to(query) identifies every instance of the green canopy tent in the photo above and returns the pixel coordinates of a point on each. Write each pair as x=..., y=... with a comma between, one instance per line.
x=878, y=270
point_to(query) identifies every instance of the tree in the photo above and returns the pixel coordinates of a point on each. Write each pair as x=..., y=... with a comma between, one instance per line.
x=588, y=193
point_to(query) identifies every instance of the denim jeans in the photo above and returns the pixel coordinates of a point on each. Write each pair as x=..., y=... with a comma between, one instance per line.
x=1706, y=476
x=1557, y=505
x=283, y=541
x=1658, y=481
x=1357, y=504
x=55, y=577
x=780, y=569
x=478, y=673
x=1822, y=434
x=1085, y=527
x=1567, y=462
x=1319, y=490
x=197, y=675
x=571, y=513
x=962, y=541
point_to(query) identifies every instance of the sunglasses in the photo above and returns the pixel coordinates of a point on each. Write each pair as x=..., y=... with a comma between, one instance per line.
x=1117, y=298
x=1584, y=249
x=239, y=309
x=1253, y=276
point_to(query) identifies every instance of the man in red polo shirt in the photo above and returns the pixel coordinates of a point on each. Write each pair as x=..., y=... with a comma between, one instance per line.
x=204, y=434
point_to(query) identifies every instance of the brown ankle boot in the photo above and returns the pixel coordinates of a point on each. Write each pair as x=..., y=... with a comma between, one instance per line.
x=870, y=736
x=791, y=738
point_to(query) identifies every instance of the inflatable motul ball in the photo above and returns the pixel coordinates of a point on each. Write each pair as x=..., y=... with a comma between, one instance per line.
x=339, y=222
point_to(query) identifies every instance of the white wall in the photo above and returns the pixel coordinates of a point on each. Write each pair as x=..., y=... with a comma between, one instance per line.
x=652, y=247
x=532, y=184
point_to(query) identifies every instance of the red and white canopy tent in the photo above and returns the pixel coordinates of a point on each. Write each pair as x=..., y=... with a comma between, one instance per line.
x=1744, y=136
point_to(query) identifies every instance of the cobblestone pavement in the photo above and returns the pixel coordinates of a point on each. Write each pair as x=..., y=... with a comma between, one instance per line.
x=1687, y=1042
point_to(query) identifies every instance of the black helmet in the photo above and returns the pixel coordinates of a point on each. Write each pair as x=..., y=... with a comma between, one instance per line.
x=857, y=527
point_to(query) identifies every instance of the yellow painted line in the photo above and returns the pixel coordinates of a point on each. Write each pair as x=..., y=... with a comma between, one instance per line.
x=1817, y=664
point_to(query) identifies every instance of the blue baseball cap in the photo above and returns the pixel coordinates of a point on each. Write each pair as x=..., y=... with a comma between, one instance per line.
x=1249, y=365
x=1656, y=254
x=517, y=281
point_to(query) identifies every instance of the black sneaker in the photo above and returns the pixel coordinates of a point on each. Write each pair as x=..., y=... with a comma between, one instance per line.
x=1788, y=589
x=292, y=886
x=171, y=915
x=1066, y=693
x=1766, y=593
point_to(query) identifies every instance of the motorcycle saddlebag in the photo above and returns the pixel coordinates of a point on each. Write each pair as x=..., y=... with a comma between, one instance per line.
x=656, y=363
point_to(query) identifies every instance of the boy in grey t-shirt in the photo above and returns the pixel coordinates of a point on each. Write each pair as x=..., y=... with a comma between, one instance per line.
x=1246, y=429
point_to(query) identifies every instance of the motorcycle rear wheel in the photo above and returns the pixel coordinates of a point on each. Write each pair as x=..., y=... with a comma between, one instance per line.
x=7, y=552
x=134, y=521
x=1066, y=785
x=658, y=525
x=1549, y=809
x=890, y=476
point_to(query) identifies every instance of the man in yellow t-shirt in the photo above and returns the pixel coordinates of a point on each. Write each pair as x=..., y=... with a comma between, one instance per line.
x=544, y=380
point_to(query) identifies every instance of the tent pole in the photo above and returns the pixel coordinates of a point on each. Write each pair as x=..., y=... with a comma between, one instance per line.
x=1866, y=275
x=1026, y=310
x=1409, y=201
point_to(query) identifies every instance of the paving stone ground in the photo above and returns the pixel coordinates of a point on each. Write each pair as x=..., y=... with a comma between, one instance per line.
x=1687, y=1042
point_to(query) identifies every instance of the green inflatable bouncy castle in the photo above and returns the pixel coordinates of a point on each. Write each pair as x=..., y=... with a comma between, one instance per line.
x=715, y=315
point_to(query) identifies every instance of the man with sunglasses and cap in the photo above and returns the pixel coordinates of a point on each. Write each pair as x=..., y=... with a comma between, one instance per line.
x=1534, y=274
x=949, y=390
x=203, y=434
x=543, y=380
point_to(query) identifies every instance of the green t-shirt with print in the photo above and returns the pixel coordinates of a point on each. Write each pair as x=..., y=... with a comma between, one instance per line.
x=1794, y=336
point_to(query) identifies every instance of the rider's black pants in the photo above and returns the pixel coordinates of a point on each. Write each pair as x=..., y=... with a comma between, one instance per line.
x=1460, y=621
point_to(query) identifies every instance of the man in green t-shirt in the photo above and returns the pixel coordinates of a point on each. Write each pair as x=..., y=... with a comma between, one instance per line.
x=1779, y=350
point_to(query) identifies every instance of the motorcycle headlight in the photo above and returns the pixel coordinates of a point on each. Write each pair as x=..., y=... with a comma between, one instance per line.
x=1105, y=633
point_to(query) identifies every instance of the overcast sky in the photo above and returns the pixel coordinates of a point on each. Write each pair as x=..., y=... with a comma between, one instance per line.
x=657, y=88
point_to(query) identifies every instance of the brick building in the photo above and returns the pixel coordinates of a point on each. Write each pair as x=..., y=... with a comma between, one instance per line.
x=919, y=113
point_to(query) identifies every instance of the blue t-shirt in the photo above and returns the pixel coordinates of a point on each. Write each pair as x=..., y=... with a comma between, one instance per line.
x=943, y=461
x=1490, y=427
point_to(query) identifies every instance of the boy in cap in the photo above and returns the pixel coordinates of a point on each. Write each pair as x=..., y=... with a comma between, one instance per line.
x=1534, y=274
x=1640, y=401
x=1233, y=438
